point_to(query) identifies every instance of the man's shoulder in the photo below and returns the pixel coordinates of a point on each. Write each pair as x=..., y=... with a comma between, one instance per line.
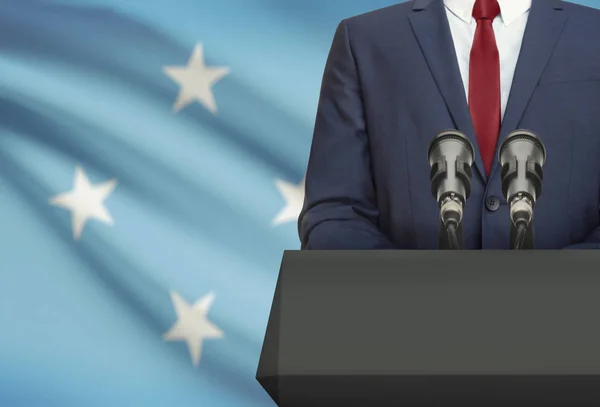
x=582, y=14
x=584, y=21
x=392, y=14
x=383, y=16
x=581, y=9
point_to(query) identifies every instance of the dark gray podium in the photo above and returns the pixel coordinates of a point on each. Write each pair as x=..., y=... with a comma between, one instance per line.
x=434, y=328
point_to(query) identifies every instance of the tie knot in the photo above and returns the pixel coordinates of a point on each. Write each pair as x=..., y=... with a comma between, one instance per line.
x=486, y=9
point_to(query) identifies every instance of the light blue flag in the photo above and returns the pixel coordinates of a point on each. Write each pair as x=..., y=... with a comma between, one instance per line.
x=151, y=162
x=152, y=154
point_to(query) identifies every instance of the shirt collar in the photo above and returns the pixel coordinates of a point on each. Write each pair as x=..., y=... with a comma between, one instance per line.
x=510, y=10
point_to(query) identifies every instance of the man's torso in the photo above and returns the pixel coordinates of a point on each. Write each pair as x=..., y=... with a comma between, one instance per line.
x=412, y=89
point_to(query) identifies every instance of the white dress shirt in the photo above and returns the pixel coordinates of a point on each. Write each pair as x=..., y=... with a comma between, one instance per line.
x=509, y=28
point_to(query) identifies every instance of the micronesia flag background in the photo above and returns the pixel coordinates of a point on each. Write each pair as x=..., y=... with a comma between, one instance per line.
x=151, y=162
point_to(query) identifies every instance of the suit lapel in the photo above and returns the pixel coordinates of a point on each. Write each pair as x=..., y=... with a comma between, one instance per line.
x=544, y=27
x=430, y=25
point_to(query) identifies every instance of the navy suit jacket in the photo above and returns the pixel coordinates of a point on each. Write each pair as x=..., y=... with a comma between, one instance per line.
x=392, y=82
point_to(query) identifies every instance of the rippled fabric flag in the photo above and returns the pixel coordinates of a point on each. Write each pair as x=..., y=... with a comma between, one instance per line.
x=151, y=164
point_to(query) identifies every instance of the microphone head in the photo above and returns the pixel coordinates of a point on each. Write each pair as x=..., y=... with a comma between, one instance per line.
x=451, y=143
x=522, y=156
x=451, y=155
x=522, y=144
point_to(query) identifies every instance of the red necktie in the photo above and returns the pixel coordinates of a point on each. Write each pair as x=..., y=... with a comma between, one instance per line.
x=484, y=81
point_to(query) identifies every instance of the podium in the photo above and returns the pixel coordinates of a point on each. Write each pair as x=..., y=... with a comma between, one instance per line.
x=434, y=328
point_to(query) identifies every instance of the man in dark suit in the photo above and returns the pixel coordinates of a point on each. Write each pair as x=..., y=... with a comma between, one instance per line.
x=398, y=76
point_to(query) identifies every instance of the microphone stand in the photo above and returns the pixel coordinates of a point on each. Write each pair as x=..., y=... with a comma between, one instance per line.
x=450, y=159
x=522, y=155
x=450, y=229
x=522, y=237
x=451, y=237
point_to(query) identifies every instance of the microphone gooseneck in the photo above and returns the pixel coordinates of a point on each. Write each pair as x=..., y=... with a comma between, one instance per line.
x=450, y=156
x=520, y=235
x=452, y=236
x=522, y=156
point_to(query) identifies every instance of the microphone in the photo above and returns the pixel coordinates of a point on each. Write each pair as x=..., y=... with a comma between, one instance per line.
x=450, y=156
x=522, y=156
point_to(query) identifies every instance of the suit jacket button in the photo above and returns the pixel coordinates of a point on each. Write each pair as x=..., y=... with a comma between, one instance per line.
x=492, y=203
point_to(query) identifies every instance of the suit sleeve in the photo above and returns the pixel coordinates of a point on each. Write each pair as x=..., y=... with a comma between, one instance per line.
x=339, y=209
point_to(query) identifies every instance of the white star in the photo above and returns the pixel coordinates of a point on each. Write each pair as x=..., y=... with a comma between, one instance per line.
x=85, y=201
x=196, y=81
x=192, y=324
x=294, y=199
